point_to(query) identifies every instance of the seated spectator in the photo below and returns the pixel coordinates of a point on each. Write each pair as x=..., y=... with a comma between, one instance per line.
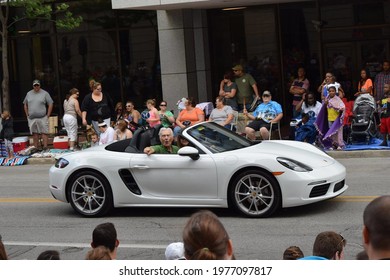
x=305, y=130
x=175, y=251
x=166, y=147
x=188, y=116
x=293, y=253
x=99, y=253
x=205, y=238
x=3, y=253
x=153, y=118
x=49, y=255
x=106, y=133
x=328, y=245
x=376, y=228
x=122, y=132
x=105, y=235
x=309, y=105
x=267, y=112
x=166, y=116
x=94, y=140
x=222, y=114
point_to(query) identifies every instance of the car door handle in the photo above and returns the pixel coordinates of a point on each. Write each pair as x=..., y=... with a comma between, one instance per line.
x=141, y=166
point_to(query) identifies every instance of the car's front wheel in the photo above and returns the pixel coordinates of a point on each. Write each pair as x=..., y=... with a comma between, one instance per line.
x=90, y=194
x=255, y=193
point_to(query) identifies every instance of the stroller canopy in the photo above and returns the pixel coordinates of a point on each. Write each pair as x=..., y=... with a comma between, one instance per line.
x=364, y=99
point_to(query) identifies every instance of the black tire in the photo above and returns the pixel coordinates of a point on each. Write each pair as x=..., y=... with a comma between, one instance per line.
x=90, y=194
x=255, y=193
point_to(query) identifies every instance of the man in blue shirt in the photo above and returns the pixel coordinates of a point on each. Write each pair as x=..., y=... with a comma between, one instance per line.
x=267, y=112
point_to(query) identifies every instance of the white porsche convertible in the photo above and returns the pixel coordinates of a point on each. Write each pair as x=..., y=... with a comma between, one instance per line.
x=218, y=169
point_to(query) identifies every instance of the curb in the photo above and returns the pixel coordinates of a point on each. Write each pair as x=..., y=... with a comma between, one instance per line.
x=334, y=154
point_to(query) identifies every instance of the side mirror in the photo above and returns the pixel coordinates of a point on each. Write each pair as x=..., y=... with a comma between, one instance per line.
x=189, y=152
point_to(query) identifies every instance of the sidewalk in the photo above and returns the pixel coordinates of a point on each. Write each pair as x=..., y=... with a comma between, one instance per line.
x=334, y=154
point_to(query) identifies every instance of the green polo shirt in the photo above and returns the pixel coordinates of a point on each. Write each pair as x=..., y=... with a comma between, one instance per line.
x=160, y=149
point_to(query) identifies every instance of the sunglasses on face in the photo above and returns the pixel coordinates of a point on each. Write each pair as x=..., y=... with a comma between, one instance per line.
x=163, y=105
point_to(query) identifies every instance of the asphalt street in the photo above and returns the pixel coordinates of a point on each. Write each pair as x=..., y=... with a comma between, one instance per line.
x=32, y=221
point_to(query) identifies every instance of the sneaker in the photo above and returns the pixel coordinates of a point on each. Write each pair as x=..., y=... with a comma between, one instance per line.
x=330, y=149
x=339, y=148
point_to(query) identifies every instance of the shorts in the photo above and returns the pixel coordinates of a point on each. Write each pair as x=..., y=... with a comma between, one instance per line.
x=39, y=125
x=257, y=124
x=385, y=125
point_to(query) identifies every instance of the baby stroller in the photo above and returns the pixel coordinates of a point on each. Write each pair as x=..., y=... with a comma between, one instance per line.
x=364, y=124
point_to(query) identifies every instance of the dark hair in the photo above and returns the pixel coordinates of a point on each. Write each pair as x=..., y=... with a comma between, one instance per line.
x=191, y=101
x=376, y=219
x=228, y=75
x=327, y=244
x=104, y=235
x=204, y=237
x=293, y=253
x=306, y=98
x=49, y=255
x=222, y=99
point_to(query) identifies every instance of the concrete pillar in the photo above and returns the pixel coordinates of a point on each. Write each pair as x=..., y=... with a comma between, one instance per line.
x=184, y=55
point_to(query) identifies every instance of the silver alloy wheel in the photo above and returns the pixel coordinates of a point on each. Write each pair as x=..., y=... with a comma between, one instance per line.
x=88, y=195
x=254, y=194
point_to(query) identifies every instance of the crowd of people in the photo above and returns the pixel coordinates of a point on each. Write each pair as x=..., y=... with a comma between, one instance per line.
x=318, y=122
x=204, y=237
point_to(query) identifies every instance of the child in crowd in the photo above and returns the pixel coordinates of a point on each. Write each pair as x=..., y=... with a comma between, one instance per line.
x=335, y=106
x=7, y=132
x=94, y=140
x=385, y=115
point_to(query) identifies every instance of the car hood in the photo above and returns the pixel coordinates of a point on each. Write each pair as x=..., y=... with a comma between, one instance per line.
x=302, y=152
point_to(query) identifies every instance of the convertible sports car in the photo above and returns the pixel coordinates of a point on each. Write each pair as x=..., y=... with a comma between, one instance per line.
x=218, y=169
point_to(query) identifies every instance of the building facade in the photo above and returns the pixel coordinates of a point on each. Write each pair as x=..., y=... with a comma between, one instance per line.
x=199, y=40
x=171, y=49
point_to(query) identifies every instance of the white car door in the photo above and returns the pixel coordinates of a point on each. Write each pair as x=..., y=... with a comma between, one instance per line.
x=174, y=176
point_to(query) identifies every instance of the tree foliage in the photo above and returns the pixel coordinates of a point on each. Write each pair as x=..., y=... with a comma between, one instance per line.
x=31, y=10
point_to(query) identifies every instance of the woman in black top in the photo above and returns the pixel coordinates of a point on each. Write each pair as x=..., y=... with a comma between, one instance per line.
x=97, y=106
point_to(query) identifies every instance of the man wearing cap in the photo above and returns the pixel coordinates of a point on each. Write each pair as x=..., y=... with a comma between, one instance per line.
x=267, y=112
x=247, y=87
x=107, y=133
x=37, y=114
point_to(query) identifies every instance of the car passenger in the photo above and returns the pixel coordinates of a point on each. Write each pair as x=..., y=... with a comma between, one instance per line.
x=166, y=147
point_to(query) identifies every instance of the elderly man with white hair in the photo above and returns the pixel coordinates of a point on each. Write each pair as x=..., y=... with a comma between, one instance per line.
x=166, y=147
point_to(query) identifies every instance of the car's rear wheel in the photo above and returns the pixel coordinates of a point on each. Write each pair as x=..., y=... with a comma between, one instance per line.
x=255, y=193
x=90, y=194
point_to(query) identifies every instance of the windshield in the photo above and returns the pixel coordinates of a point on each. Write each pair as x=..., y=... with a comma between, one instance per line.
x=216, y=138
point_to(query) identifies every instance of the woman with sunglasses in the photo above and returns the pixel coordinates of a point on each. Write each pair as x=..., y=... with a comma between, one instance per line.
x=166, y=116
x=71, y=111
x=133, y=116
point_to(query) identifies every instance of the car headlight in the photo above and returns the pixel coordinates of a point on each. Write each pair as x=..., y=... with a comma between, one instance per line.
x=61, y=163
x=294, y=165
